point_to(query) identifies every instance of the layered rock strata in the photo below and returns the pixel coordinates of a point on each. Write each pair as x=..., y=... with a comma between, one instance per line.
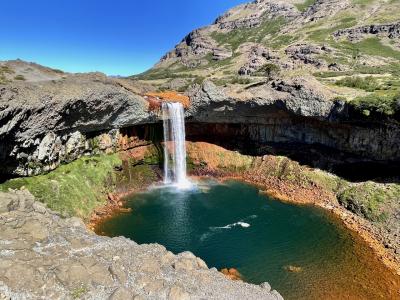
x=42, y=126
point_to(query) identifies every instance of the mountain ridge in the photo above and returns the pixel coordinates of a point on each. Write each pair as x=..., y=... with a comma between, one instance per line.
x=349, y=47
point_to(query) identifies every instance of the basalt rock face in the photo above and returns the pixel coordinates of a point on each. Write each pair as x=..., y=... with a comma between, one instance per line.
x=45, y=125
x=391, y=31
x=44, y=256
x=291, y=113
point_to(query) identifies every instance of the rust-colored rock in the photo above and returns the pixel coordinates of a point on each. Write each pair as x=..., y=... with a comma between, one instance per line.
x=154, y=103
x=293, y=269
x=156, y=98
x=232, y=273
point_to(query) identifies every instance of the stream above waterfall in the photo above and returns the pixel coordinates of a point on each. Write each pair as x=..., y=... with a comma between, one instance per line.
x=302, y=251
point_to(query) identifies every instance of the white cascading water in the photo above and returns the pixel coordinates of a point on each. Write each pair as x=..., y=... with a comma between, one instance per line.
x=174, y=145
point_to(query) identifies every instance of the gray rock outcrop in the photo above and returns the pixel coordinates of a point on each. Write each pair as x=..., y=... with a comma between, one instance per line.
x=253, y=14
x=391, y=31
x=295, y=112
x=306, y=54
x=257, y=57
x=43, y=124
x=43, y=256
x=324, y=8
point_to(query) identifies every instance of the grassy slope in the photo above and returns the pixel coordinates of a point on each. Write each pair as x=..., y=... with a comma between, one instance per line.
x=77, y=188
x=3, y=71
x=73, y=189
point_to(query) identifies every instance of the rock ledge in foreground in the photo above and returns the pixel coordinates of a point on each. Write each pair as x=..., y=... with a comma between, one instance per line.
x=45, y=256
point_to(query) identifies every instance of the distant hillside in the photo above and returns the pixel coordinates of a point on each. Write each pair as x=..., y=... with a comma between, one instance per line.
x=19, y=70
x=351, y=48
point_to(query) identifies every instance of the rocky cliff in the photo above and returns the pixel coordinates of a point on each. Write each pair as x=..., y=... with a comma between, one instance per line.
x=48, y=123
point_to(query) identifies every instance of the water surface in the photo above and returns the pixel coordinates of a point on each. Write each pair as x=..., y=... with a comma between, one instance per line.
x=233, y=225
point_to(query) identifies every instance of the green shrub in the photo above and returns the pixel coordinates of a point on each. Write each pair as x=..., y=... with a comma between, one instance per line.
x=240, y=80
x=330, y=74
x=269, y=70
x=339, y=98
x=377, y=103
x=369, y=199
x=2, y=79
x=231, y=80
x=305, y=5
x=6, y=69
x=20, y=77
x=368, y=84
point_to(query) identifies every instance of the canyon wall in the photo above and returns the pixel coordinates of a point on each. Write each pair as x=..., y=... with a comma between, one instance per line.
x=42, y=127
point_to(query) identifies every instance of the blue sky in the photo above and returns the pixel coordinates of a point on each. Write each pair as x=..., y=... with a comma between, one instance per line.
x=118, y=37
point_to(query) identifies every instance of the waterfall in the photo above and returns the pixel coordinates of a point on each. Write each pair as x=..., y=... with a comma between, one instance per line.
x=174, y=145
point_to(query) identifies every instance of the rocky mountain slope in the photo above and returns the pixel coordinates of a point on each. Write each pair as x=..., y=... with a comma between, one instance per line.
x=348, y=48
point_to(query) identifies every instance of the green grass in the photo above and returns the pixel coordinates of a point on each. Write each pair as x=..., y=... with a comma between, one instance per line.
x=373, y=46
x=393, y=69
x=368, y=199
x=378, y=103
x=369, y=46
x=282, y=40
x=305, y=5
x=135, y=175
x=6, y=69
x=326, y=181
x=20, y=77
x=362, y=2
x=218, y=63
x=325, y=34
x=232, y=80
x=239, y=36
x=330, y=74
x=174, y=71
x=2, y=79
x=79, y=292
x=3, y=71
x=74, y=189
x=369, y=84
